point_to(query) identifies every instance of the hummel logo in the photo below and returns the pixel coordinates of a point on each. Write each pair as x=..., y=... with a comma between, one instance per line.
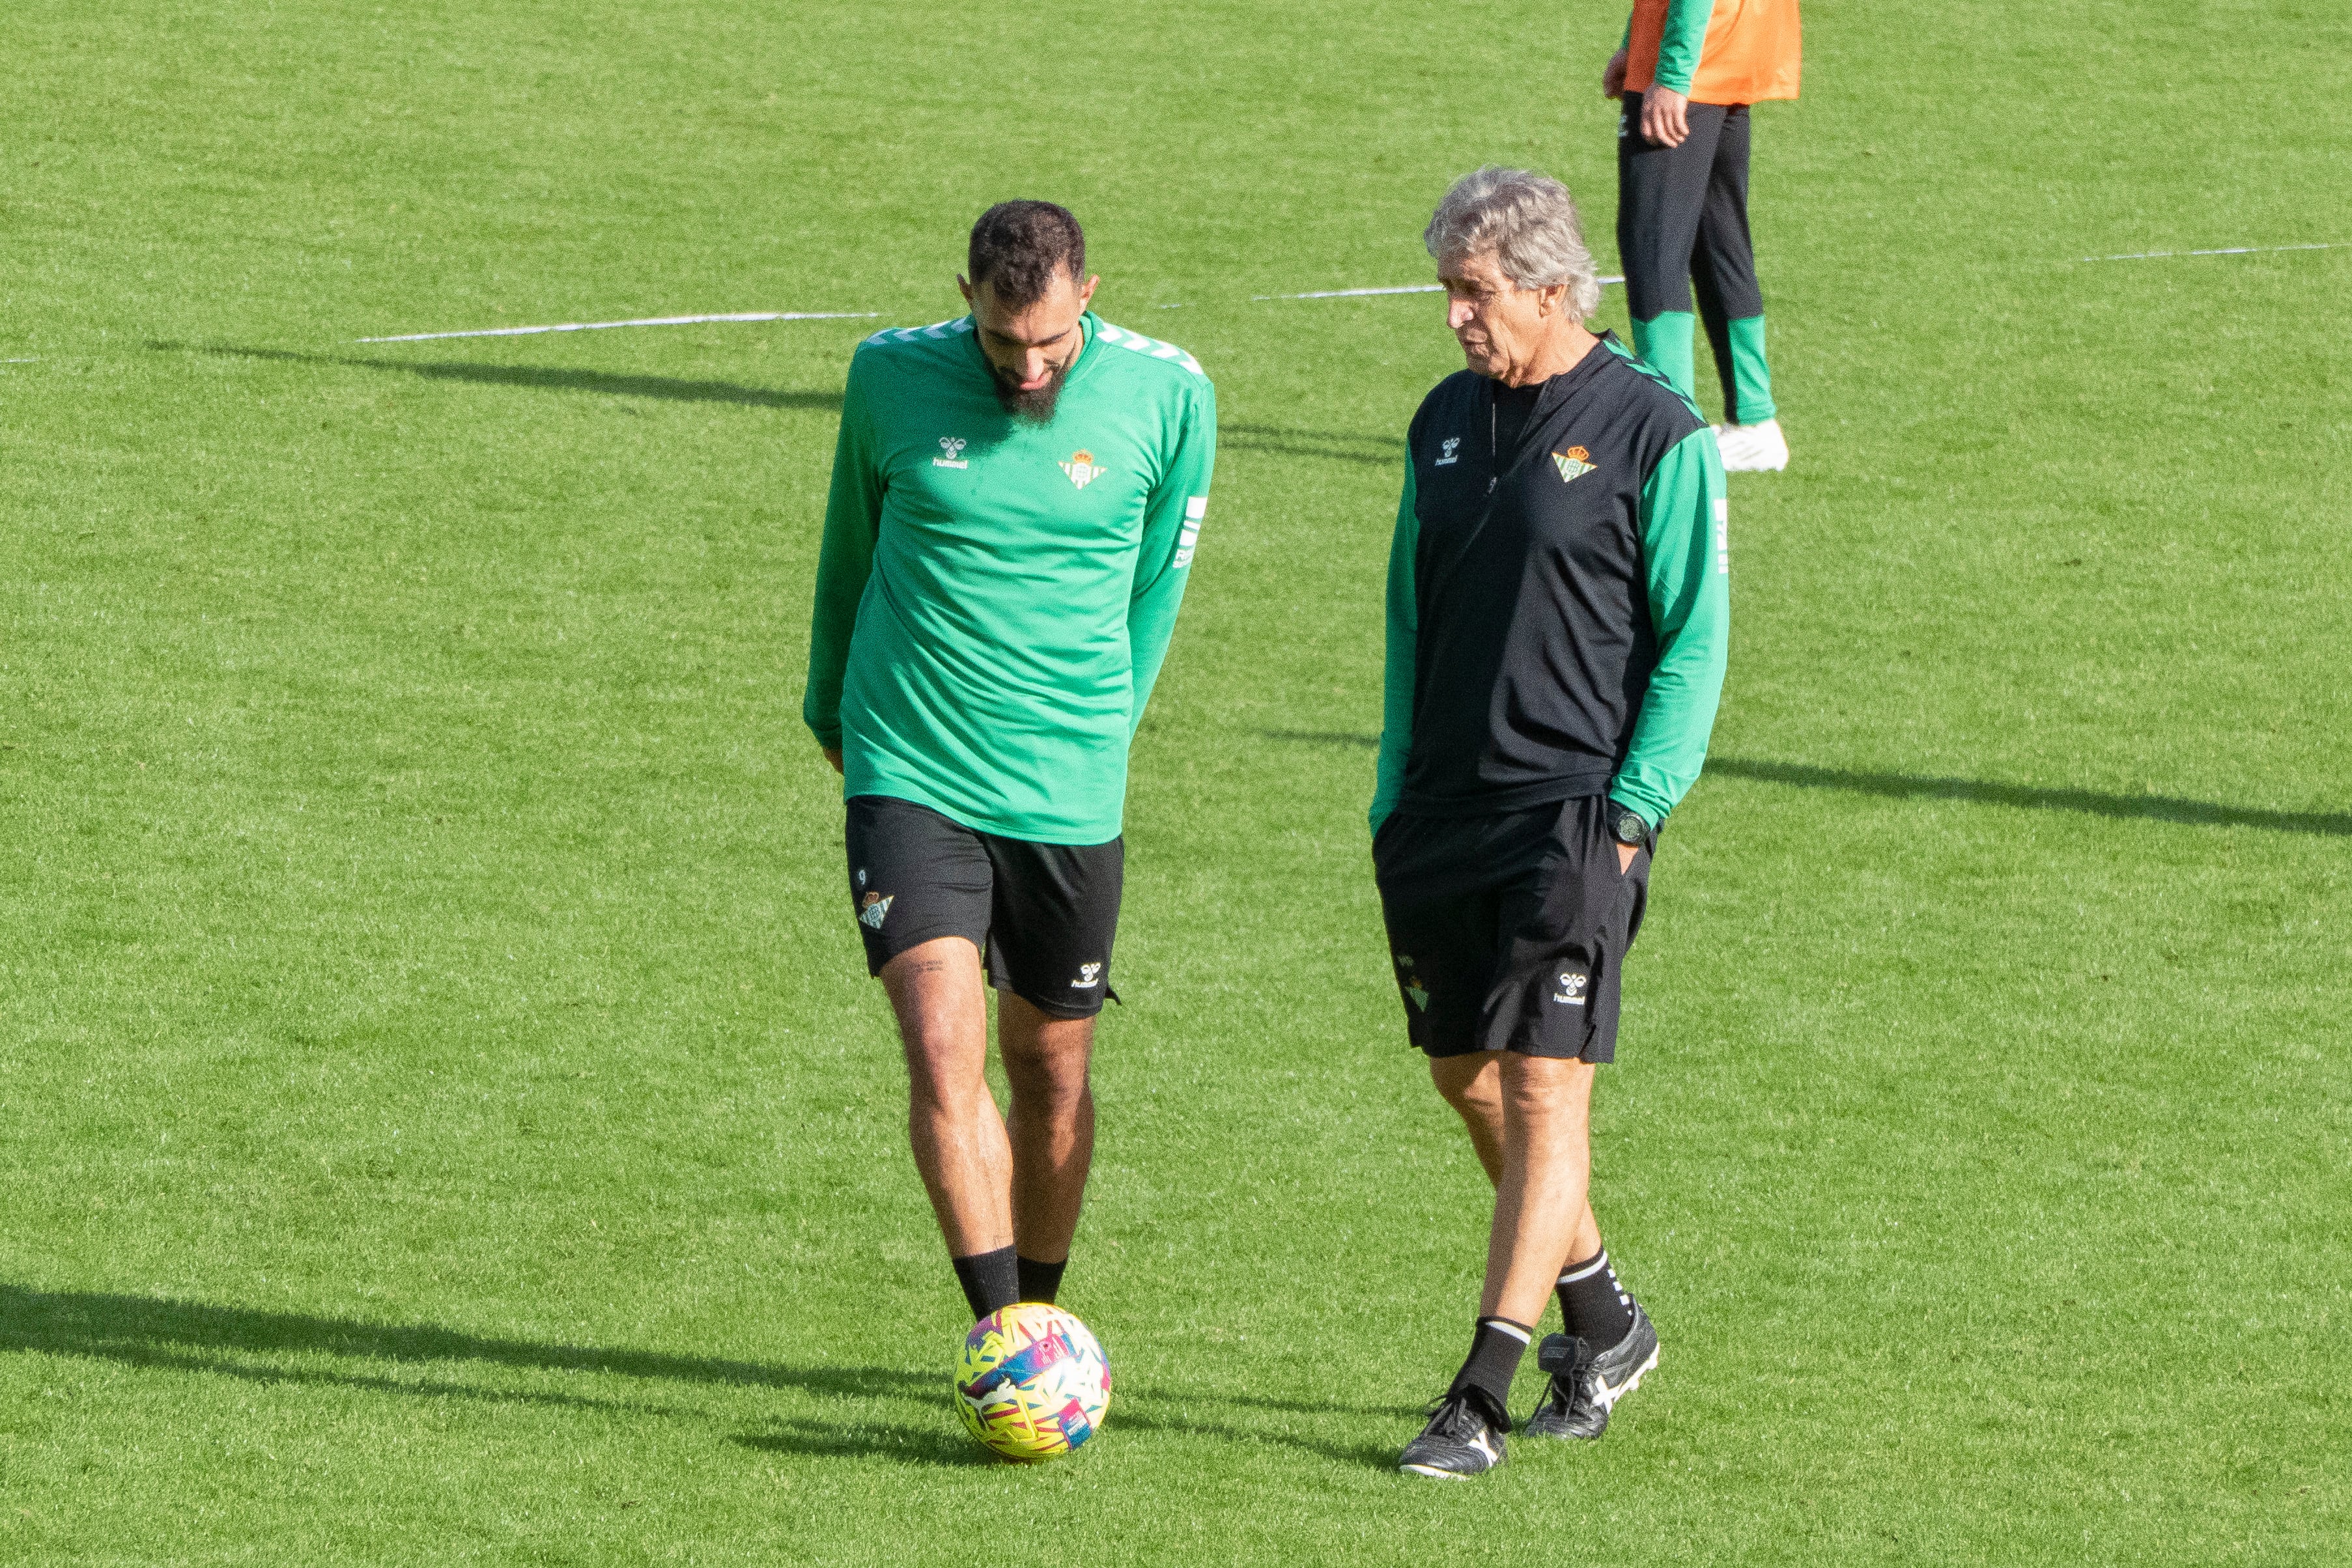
x=951, y=448
x=1572, y=462
x=1450, y=447
x=877, y=910
x=1571, y=990
x=1082, y=470
x=1090, y=976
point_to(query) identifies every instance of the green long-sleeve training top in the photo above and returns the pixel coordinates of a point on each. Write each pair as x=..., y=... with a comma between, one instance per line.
x=995, y=596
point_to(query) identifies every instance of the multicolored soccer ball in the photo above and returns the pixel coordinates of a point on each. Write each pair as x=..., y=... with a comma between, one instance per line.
x=1033, y=1383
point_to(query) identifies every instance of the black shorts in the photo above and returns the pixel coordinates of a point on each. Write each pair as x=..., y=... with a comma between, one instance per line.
x=1509, y=932
x=1043, y=914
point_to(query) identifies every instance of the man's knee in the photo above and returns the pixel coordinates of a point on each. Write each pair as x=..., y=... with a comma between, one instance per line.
x=935, y=990
x=1046, y=1058
x=1468, y=1082
x=1545, y=1086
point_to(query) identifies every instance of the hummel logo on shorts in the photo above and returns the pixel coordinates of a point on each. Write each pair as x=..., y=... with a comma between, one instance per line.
x=1090, y=976
x=1571, y=990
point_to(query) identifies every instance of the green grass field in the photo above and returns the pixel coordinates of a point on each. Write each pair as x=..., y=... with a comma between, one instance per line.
x=443, y=1116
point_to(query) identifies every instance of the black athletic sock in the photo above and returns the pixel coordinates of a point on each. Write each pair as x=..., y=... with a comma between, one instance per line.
x=1039, y=1282
x=990, y=1281
x=1494, y=1362
x=1593, y=1304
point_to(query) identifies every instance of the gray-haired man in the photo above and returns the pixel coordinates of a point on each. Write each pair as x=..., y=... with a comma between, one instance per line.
x=1557, y=615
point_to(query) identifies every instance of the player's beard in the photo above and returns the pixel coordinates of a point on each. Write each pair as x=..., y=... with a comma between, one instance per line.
x=1036, y=404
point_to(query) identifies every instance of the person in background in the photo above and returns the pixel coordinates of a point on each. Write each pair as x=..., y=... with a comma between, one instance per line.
x=1686, y=73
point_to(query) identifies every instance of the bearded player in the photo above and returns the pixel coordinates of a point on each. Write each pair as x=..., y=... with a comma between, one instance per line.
x=1016, y=496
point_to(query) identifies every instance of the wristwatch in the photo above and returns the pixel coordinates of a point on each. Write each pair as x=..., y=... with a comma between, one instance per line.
x=1629, y=826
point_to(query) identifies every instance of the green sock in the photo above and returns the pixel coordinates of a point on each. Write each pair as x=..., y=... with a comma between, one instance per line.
x=1749, y=379
x=1665, y=340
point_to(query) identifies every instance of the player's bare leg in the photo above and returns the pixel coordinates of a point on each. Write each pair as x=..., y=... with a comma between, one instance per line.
x=1539, y=1199
x=959, y=1137
x=1051, y=1123
x=1591, y=1368
x=1473, y=1085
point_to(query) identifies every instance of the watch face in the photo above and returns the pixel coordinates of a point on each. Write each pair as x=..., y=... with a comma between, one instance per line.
x=1630, y=829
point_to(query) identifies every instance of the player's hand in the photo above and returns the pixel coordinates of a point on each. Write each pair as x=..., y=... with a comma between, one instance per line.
x=1625, y=853
x=1613, y=76
x=833, y=754
x=1665, y=117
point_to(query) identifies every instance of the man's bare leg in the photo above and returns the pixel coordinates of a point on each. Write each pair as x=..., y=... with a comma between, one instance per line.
x=1529, y=1120
x=1051, y=1125
x=959, y=1138
x=995, y=1182
x=1541, y=1199
x=1473, y=1085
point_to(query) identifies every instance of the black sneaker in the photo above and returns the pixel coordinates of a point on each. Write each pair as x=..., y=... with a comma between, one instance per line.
x=1584, y=1385
x=1464, y=1438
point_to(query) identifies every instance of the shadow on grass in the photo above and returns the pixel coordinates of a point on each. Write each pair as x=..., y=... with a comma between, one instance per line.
x=1154, y=1416
x=2147, y=808
x=187, y=1336
x=939, y=1446
x=1915, y=787
x=539, y=378
x=285, y=1348
x=949, y=1447
x=1282, y=441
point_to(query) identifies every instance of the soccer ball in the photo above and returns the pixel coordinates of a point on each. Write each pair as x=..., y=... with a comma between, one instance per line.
x=1033, y=1383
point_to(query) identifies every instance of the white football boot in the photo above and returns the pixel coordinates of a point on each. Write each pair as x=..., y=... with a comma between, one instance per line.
x=1752, y=448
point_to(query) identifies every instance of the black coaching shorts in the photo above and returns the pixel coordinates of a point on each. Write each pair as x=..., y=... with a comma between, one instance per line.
x=1043, y=914
x=1509, y=932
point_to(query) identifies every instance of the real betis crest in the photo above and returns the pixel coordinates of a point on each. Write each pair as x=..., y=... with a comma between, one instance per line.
x=1082, y=470
x=1573, y=462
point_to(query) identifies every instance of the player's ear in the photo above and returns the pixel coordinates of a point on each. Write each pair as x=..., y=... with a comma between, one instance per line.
x=1087, y=290
x=962, y=284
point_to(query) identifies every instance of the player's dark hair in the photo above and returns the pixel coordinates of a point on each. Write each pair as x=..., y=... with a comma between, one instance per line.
x=1019, y=246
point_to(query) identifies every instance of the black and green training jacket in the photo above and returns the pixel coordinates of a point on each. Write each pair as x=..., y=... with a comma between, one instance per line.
x=1558, y=607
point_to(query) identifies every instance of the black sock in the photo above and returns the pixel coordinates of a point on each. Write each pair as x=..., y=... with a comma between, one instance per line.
x=1593, y=1304
x=1039, y=1282
x=989, y=1279
x=1494, y=1362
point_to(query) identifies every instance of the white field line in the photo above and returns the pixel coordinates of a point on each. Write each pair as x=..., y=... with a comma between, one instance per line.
x=1353, y=293
x=2231, y=250
x=19, y=361
x=648, y=322
x=818, y=316
x=1360, y=293
x=1254, y=298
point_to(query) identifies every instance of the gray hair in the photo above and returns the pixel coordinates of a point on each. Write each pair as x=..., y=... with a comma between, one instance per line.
x=1527, y=220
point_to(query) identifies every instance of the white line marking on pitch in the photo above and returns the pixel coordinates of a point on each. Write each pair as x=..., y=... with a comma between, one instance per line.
x=19, y=361
x=648, y=322
x=2231, y=250
x=1360, y=293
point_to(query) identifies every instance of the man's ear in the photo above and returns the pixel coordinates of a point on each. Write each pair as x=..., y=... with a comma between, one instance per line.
x=965, y=286
x=1087, y=290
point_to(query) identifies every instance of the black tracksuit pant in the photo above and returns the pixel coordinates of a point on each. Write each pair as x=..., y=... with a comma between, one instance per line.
x=1682, y=228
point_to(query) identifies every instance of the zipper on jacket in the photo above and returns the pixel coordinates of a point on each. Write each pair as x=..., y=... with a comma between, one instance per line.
x=1493, y=441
